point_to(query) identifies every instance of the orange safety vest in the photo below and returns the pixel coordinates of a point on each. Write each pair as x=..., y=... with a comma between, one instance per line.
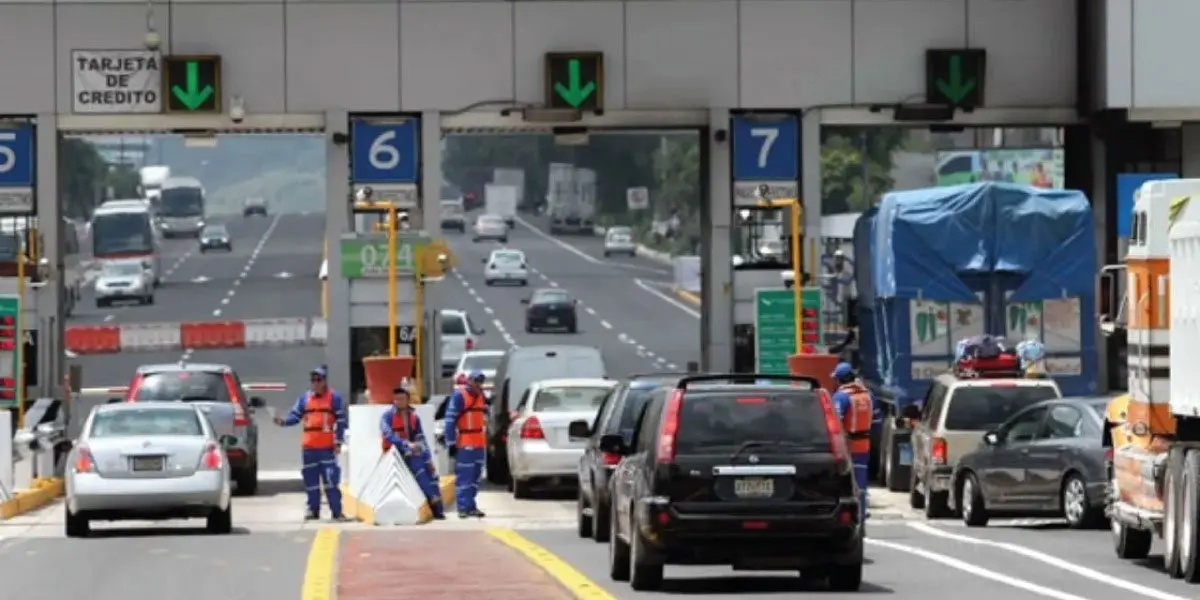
x=319, y=423
x=857, y=421
x=471, y=422
x=399, y=429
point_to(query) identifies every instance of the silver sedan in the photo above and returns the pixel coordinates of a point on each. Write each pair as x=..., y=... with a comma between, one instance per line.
x=147, y=461
x=539, y=445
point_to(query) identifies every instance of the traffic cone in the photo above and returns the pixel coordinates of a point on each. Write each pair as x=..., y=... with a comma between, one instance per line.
x=384, y=374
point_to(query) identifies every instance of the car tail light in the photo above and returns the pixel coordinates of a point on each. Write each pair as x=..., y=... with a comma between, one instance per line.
x=532, y=430
x=938, y=451
x=133, y=387
x=754, y=525
x=847, y=516
x=239, y=412
x=84, y=463
x=1108, y=455
x=611, y=459
x=211, y=460
x=469, y=344
x=669, y=427
x=663, y=518
x=837, y=443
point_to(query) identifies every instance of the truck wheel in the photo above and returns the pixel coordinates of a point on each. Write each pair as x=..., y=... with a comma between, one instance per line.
x=1130, y=543
x=1189, y=529
x=1172, y=502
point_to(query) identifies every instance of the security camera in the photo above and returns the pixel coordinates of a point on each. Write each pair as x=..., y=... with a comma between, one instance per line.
x=152, y=40
x=237, y=109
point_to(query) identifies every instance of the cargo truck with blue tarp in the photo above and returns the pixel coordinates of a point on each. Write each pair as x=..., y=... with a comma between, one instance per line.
x=937, y=265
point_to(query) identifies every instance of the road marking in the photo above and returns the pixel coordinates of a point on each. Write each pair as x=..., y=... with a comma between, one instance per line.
x=584, y=255
x=665, y=298
x=1052, y=560
x=576, y=583
x=322, y=562
x=975, y=570
x=606, y=324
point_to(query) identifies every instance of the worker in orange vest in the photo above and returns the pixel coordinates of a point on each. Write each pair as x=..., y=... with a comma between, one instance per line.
x=855, y=406
x=466, y=439
x=322, y=414
x=401, y=429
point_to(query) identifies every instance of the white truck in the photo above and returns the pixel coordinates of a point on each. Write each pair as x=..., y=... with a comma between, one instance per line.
x=570, y=199
x=501, y=200
x=152, y=179
x=513, y=177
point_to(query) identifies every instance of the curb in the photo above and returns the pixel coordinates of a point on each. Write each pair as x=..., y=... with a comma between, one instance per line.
x=688, y=297
x=40, y=493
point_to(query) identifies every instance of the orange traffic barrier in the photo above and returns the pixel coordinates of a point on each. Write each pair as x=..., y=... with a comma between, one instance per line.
x=384, y=374
x=99, y=339
x=213, y=334
x=818, y=366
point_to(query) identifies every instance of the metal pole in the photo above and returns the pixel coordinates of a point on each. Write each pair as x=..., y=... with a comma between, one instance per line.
x=19, y=337
x=418, y=309
x=391, y=279
x=797, y=288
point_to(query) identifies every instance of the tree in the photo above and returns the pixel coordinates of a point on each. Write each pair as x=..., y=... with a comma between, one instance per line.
x=856, y=165
x=81, y=177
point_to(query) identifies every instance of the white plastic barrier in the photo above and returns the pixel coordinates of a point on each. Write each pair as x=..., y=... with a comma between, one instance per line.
x=380, y=490
x=276, y=332
x=150, y=336
x=687, y=273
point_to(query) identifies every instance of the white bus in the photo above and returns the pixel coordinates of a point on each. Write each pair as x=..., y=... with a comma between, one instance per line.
x=124, y=229
x=181, y=207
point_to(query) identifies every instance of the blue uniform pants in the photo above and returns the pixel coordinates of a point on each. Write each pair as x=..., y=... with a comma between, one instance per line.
x=321, y=468
x=421, y=472
x=468, y=470
x=862, y=463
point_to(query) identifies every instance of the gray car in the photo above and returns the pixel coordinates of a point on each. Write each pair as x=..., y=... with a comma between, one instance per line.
x=1045, y=461
x=152, y=460
x=219, y=393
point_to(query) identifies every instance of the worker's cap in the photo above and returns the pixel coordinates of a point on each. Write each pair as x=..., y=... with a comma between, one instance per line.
x=319, y=371
x=476, y=376
x=842, y=371
x=400, y=390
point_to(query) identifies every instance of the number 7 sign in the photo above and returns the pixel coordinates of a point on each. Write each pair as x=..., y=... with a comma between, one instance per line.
x=765, y=149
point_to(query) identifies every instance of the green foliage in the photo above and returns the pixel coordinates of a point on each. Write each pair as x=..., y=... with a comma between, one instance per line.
x=856, y=165
x=81, y=177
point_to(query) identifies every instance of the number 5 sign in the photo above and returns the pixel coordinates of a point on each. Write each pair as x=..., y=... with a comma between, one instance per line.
x=765, y=149
x=16, y=156
x=383, y=152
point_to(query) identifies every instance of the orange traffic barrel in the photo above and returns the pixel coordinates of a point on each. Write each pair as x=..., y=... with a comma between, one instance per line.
x=384, y=374
x=817, y=366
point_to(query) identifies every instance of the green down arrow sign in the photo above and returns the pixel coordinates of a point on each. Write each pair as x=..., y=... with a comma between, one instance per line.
x=955, y=77
x=575, y=80
x=575, y=92
x=954, y=86
x=193, y=95
x=193, y=84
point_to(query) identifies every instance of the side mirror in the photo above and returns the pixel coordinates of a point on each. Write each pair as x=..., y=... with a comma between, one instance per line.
x=612, y=443
x=579, y=429
x=483, y=261
x=114, y=400
x=524, y=300
x=256, y=402
x=227, y=441
x=992, y=438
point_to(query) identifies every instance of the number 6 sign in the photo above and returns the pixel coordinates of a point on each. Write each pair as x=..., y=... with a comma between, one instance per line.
x=384, y=152
x=16, y=156
x=765, y=148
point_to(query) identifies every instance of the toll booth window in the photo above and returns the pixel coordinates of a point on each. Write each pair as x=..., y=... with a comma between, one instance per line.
x=1142, y=229
x=760, y=239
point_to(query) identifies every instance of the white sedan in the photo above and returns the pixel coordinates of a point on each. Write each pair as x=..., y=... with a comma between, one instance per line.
x=123, y=280
x=619, y=240
x=540, y=447
x=490, y=227
x=506, y=266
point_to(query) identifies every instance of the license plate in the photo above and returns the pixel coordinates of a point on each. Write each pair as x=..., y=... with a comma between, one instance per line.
x=905, y=455
x=754, y=487
x=148, y=463
x=552, y=320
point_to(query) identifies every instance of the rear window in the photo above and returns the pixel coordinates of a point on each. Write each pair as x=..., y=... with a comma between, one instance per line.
x=569, y=399
x=187, y=386
x=725, y=421
x=508, y=258
x=485, y=362
x=142, y=422
x=985, y=407
x=551, y=297
x=454, y=325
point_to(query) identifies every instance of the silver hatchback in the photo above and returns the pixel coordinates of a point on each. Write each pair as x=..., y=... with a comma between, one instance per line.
x=147, y=461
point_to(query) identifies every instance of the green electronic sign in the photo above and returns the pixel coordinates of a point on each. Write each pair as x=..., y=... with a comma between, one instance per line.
x=10, y=351
x=955, y=77
x=367, y=256
x=775, y=327
x=575, y=80
x=192, y=84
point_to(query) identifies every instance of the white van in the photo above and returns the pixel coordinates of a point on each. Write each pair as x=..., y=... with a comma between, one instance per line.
x=125, y=229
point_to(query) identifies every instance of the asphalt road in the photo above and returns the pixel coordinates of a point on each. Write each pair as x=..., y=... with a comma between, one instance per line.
x=625, y=307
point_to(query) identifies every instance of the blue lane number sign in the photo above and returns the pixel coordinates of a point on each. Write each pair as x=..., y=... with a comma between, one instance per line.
x=765, y=149
x=383, y=152
x=16, y=155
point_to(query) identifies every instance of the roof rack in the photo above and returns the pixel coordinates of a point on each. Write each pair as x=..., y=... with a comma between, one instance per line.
x=809, y=383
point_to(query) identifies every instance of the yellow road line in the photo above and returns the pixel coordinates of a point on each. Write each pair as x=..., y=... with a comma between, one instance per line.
x=322, y=563
x=688, y=297
x=577, y=583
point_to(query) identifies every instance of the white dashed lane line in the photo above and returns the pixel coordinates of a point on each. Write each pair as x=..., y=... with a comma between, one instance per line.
x=500, y=328
x=237, y=282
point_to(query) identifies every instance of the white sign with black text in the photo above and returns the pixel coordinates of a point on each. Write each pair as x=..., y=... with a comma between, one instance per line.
x=16, y=201
x=637, y=198
x=116, y=81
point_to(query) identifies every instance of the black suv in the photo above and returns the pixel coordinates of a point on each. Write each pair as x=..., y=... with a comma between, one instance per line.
x=725, y=470
x=618, y=416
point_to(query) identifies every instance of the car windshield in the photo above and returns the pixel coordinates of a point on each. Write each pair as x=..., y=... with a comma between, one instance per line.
x=551, y=297
x=725, y=421
x=217, y=231
x=569, y=399
x=123, y=269
x=481, y=362
x=619, y=232
x=187, y=386
x=453, y=325
x=980, y=408
x=450, y=191
x=508, y=258
x=128, y=422
x=490, y=220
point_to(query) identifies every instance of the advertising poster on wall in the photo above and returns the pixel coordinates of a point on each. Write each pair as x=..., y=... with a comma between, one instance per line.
x=1056, y=323
x=935, y=328
x=1037, y=167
